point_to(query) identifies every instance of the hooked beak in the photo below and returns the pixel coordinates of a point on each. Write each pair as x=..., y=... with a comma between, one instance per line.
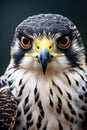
x=44, y=58
x=44, y=53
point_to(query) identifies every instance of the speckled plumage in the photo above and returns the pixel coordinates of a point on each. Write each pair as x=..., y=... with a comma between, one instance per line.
x=55, y=98
x=8, y=110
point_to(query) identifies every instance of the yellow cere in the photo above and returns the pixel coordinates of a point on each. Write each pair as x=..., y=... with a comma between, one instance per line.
x=44, y=42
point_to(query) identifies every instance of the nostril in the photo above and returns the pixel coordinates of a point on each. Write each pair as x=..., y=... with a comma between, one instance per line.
x=38, y=47
x=50, y=47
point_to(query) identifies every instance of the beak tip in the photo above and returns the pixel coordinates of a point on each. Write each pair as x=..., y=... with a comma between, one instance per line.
x=44, y=69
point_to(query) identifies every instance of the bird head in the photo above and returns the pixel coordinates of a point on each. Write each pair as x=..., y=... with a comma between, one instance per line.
x=47, y=40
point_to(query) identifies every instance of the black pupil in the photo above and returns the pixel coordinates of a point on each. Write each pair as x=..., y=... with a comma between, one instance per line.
x=63, y=40
x=25, y=41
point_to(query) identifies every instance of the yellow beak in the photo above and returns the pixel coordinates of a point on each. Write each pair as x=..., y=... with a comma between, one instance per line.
x=44, y=52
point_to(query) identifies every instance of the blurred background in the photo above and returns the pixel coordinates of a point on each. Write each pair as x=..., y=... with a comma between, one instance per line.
x=13, y=12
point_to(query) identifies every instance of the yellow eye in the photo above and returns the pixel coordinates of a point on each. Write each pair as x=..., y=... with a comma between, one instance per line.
x=63, y=42
x=26, y=42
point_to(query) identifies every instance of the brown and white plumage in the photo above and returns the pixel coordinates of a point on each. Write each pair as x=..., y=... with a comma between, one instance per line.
x=8, y=109
x=47, y=74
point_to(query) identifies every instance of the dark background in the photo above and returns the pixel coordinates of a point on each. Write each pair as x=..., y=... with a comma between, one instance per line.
x=12, y=12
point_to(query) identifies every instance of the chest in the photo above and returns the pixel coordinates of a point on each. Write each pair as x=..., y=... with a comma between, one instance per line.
x=49, y=103
x=56, y=100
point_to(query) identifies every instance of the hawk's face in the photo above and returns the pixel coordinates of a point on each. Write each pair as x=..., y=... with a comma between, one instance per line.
x=45, y=41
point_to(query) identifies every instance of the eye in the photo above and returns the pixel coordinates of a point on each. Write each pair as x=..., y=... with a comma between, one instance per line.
x=26, y=43
x=63, y=42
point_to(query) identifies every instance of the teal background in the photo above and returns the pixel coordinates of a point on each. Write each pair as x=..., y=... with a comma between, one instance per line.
x=12, y=12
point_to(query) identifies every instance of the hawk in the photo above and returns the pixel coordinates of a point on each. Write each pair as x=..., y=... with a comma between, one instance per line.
x=46, y=78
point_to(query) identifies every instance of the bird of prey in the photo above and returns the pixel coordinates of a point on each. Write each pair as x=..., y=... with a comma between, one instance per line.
x=45, y=82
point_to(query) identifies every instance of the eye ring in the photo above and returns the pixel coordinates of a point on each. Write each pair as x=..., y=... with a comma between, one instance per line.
x=26, y=43
x=63, y=42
